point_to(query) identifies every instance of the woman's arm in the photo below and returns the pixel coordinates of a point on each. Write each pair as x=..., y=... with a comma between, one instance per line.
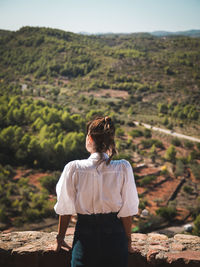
x=62, y=228
x=127, y=223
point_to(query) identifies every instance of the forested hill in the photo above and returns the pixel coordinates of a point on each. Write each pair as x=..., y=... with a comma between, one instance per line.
x=51, y=81
x=137, y=63
x=191, y=33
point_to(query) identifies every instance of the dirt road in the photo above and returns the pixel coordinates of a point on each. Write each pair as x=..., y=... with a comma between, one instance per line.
x=170, y=132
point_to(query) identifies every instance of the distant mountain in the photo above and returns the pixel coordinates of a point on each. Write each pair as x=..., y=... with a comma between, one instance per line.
x=191, y=33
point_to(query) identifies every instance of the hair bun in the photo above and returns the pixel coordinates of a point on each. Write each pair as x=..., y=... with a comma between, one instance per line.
x=107, y=119
x=108, y=125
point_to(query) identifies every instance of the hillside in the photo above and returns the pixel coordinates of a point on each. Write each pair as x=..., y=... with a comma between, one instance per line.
x=190, y=33
x=52, y=82
x=67, y=68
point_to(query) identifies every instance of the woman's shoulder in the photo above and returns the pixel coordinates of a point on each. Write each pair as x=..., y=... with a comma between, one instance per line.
x=78, y=164
x=121, y=162
x=70, y=165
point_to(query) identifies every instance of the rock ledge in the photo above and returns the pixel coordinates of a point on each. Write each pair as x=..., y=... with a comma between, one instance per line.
x=34, y=249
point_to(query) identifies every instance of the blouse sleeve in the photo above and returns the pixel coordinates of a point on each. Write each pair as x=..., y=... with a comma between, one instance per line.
x=65, y=191
x=129, y=193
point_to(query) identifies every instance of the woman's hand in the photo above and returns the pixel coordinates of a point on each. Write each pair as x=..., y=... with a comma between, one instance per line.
x=61, y=244
x=62, y=227
x=132, y=249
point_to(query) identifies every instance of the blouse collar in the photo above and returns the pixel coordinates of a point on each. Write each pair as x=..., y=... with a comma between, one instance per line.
x=96, y=155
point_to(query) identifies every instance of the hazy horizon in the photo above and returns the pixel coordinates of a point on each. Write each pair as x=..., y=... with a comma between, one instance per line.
x=113, y=16
x=96, y=33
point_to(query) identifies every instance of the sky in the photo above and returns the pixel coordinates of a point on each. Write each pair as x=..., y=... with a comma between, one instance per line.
x=101, y=16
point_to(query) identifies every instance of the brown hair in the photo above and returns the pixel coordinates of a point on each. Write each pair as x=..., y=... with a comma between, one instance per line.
x=102, y=131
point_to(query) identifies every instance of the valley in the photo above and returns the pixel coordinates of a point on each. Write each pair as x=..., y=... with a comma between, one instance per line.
x=52, y=82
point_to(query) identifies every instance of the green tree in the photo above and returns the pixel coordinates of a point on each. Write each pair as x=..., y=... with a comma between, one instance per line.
x=34, y=151
x=196, y=230
x=59, y=155
x=180, y=167
x=74, y=145
x=136, y=133
x=162, y=108
x=195, y=168
x=171, y=154
x=67, y=121
x=147, y=133
x=38, y=124
x=52, y=117
x=49, y=183
x=25, y=141
x=176, y=142
x=165, y=121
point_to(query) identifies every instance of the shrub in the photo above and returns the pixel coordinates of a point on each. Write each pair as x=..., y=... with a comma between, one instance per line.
x=18, y=221
x=119, y=132
x=143, y=203
x=196, y=230
x=198, y=146
x=187, y=189
x=3, y=216
x=171, y=154
x=168, y=213
x=136, y=133
x=147, y=179
x=150, y=142
x=164, y=170
x=162, y=108
x=193, y=155
x=195, y=168
x=195, y=209
x=188, y=144
x=165, y=121
x=147, y=143
x=49, y=183
x=33, y=215
x=176, y=142
x=179, y=168
x=168, y=71
x=170, y=126
x=147, y=133
x=158, y=143
x=153, y=222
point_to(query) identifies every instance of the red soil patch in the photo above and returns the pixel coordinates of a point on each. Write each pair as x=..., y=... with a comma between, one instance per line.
x=140, y=190
x=33, y=176
x=21, y=173
x=158, y=180
x=161, y=193
x=182, y=213
x=34, y=179
x=147, y=171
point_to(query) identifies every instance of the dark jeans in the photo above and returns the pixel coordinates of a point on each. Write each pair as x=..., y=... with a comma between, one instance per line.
x=99, y=241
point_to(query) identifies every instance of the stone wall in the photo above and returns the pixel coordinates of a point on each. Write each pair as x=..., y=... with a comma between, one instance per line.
x=34, y=249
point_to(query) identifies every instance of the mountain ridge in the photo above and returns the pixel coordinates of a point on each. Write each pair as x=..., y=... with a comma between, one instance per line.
x=159, y=33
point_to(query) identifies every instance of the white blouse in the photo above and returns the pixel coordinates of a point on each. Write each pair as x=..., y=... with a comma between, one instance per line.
x=87, y=187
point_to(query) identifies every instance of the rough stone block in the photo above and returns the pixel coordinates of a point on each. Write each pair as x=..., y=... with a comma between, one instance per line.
x=34, y=249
